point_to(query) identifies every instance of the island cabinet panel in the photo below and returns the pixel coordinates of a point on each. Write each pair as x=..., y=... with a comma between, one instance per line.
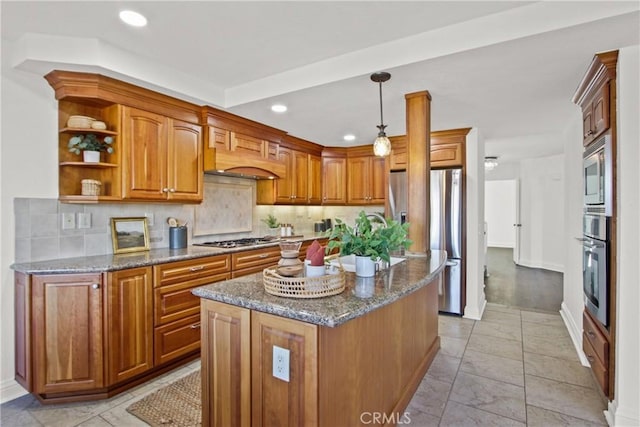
x=67, y=333
x=226, y=365
x=130, y=320
x=278, y=402
x=383, y=355
x=334, y=180
x=23, y=321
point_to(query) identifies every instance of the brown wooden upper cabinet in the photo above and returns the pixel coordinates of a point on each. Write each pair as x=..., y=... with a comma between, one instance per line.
x=334, y=180
x=162, y=157
x=596, y=94
x=157, y=141
x=366, y=180
x=302, y=184
x=447, y=149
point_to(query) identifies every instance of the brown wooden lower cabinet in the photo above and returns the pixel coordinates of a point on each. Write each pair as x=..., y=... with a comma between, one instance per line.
x=596, y=348
x=373, y=363
x=67, y=333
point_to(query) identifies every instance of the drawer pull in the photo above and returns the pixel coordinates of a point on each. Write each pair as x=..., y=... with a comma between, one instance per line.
x=195, y=326
x=263, y=255
x=591, y=334
x=590, y=357
x=95, y=286
x=198, y=268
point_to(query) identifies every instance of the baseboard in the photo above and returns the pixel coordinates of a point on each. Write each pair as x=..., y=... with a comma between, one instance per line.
x=10, y=389
x=540, y=264
x=472, y=313
x=574, y=333
x=500, y=245
x=617, y=416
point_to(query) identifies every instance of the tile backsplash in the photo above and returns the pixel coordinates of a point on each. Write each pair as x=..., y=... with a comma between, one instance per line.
x=47, y=229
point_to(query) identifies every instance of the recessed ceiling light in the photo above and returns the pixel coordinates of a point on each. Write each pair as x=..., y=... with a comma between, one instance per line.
x=278, y=108
x=349, y=137
x=133, y=18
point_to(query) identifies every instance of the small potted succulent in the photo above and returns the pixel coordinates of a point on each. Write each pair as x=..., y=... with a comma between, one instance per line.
x=368, y=243
x=273, y=224
x=90, y=146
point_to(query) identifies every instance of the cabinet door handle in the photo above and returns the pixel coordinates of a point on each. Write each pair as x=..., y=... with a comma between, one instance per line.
x=590, y=357
x=198, y=268
x=95, y=286
x=195, y=326
x=172, y=190
x=165, y=190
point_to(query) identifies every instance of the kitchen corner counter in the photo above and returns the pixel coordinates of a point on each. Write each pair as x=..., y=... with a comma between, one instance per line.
x=404, y=278
x=112, y=262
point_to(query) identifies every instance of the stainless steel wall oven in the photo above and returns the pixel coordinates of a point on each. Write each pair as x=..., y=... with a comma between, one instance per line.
x=595, y=254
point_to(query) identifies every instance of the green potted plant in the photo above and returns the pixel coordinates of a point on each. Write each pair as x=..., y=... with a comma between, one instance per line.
x=272, y=223
x=367, y=242
x=90, y=146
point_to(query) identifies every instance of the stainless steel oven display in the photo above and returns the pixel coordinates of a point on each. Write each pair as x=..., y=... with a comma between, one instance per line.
x=594, y=266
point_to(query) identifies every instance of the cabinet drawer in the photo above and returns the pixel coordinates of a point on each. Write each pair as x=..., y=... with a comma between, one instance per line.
x=255, y=258
x=175, y=301
x=179, y=271
x=598, y=341
x=176, y=339
x=599, y=368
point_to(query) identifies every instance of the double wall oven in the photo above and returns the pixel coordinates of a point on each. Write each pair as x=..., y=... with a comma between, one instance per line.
x=597, y=192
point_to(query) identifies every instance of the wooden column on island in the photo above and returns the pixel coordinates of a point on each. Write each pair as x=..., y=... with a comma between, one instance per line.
x=418, y=105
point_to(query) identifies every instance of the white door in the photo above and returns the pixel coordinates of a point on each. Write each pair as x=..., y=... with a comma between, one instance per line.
x=516, y=224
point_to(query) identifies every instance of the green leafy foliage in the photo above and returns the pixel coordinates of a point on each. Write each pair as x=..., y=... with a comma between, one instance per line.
x=364, y=239
x=90, y=142
x=271, y=221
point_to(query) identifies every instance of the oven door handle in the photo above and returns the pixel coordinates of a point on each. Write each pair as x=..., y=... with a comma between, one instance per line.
x=580, y=239
x=592, y=245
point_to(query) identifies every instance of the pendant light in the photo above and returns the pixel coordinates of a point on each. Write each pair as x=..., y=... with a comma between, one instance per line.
x=382, y=145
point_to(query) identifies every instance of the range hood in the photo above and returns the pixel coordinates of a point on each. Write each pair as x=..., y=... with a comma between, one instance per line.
x=229, y=163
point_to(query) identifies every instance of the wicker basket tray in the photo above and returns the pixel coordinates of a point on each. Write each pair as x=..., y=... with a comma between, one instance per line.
x=303, y=287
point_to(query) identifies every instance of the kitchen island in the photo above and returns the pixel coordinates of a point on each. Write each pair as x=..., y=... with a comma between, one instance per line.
x=340, y=360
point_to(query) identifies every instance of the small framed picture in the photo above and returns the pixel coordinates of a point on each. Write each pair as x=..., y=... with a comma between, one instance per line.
x=129, y=235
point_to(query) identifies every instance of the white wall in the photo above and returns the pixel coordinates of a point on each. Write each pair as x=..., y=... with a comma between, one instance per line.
x=500, y=213
x=625, y=409
x=29, y=169
x=475, y=225
x=542, y=212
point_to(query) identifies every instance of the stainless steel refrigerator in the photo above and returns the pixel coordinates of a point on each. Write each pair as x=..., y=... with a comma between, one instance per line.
x=446, y=227
x=446, y=234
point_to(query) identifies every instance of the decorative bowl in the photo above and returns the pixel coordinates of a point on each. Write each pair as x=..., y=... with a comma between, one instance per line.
x=83, y=122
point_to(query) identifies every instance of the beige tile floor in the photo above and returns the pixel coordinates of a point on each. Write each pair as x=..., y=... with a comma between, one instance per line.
x=512, y=368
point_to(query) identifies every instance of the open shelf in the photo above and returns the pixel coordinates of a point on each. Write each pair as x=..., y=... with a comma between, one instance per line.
x=101, y=165
x=88, y=130
x=79, y=198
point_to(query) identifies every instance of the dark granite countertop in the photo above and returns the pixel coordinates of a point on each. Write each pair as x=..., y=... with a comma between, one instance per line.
x=386, y=287
x=110, y=262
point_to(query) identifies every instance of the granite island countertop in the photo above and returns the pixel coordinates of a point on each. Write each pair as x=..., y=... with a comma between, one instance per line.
x=361, y=295
x=112, y=262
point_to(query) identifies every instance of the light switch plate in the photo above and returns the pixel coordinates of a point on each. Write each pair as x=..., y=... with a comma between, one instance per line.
x=281, y=363
x=68, y=221
x=84, y=220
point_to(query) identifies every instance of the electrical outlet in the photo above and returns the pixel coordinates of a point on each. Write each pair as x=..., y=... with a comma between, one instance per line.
x=84, y=220
x=281, y=363
x=68, y=221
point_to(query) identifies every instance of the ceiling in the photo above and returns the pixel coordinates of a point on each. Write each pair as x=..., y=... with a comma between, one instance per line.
x=507, y=68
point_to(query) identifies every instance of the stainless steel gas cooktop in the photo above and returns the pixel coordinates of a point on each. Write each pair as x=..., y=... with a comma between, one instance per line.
x=237, y=243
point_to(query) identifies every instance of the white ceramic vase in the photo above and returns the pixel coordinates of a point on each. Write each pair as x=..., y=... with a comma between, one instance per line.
x=365, y=266
x=91, y=156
